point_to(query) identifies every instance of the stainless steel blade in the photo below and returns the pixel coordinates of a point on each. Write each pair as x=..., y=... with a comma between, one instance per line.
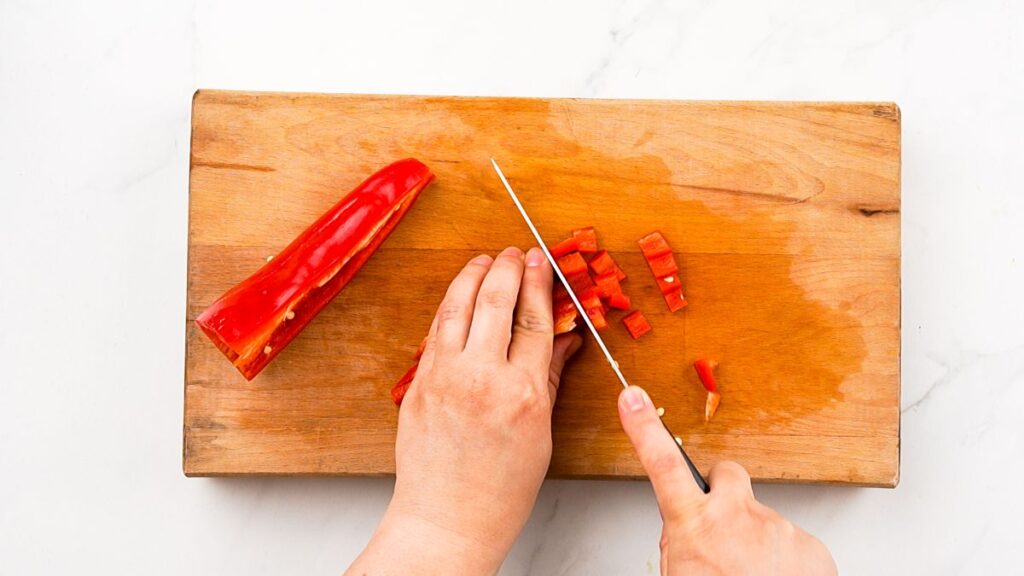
x=697, y=477
x=561, y=277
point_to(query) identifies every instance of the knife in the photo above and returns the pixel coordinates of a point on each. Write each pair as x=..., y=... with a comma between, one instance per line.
x=701, y=483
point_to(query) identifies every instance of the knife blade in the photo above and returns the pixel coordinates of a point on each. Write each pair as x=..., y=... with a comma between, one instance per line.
x=697, y=477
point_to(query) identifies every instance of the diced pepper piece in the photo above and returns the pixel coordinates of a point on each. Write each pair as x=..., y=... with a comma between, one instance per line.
x=564, y=247
x=572, y=264
x=586, y=239
x=711, y=405
x=636, y=324
x=580, y=282
x=619, y=301
x=607, y=285
x=400, y=388
x=256, y=319
x=653, y=244
x=675, y=300
x=420, y=348
x=602, y=263
x=589, y=299
x=597, y=318
x=663, y=265
x=706, y=372
x=668, y=284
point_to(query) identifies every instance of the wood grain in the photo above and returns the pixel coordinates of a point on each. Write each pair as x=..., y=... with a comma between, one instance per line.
x=785, y=218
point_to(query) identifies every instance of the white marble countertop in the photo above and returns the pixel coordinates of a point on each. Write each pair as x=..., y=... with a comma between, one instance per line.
x=94, y=136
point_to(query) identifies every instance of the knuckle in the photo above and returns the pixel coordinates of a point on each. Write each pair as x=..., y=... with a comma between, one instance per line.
x=498, y=299
x=662, y=463
x=449, y=311
x=531, y=322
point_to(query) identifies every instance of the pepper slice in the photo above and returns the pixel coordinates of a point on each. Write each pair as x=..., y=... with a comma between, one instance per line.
x=659, y=257
x=653, y=244
x=663, y=265
x=257, y=318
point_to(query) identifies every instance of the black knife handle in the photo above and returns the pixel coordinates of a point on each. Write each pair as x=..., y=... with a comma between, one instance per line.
x=701, y=482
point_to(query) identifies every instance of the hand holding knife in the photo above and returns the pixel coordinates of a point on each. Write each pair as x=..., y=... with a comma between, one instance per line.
x=586, y=319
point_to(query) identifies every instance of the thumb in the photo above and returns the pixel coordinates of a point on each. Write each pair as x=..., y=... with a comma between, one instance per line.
x=658, y=452
x=564, y=347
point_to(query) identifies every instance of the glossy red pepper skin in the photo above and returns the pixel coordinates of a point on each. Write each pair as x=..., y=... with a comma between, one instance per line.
x=706, y=372
x=636, y=324
x=256, y=319
x=564, y=247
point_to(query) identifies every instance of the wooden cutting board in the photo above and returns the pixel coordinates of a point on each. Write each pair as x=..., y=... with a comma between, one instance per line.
x=785, y=218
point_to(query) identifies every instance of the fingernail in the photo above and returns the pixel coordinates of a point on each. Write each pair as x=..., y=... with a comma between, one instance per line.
x=513, y=252
x=482, y=260
x=635, y=399
x=535, y=257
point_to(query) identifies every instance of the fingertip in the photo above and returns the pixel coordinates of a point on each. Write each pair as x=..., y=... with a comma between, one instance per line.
x=632, y=400
x=512, y=252
x=535, y=257
x=482, y=260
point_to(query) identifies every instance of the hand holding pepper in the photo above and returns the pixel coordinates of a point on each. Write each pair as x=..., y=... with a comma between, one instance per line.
x=474, y=432
x=725, y=531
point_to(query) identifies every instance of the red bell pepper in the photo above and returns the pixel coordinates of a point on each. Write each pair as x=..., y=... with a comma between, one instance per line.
x=564, y=247
x=663, y=265
x=402, y=386
x=597, y=318
x=706, y=372
x=668, y=284
x=620, y=301
x=608, y=285
x=602, y=264
x=675, y=300
x=586, y=239
x=572, y=264
x=256, y=319
x=659, y=257
x=636, y=324
x=654, y=244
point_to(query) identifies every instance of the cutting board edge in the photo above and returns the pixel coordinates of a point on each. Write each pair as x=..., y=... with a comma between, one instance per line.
x=884, y=108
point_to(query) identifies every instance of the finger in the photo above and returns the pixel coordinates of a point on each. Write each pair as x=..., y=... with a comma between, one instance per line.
x=533, y=328
x=730, y=480
x=430, y=348
x=564, y=347
x=455, y=314
x=658, y=453
x=491, y=329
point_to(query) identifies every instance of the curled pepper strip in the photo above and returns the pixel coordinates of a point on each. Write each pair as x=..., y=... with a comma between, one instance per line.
x=257, y=318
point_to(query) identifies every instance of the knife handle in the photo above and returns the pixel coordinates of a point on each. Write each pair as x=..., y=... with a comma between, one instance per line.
x=701, y=482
